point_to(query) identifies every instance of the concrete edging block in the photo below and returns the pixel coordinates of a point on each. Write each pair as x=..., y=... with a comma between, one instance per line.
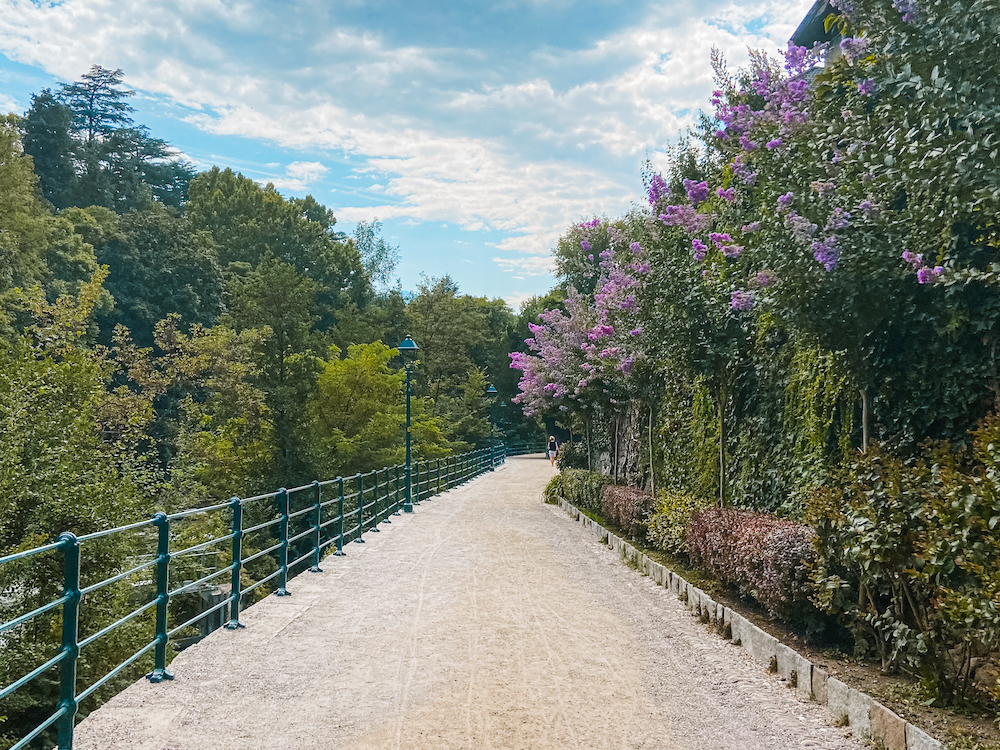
x=918, y=739
x=866, y=717
x=887, y=727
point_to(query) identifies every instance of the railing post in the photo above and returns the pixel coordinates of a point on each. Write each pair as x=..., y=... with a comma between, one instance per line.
x=438, y=489
x=237, y=563
x=70, y=631
x=282, y=589
x=396, y=489
x=416, y=481
x=375, y=527
x=359, y=484
x=340, y=517
x=317, y=527
x=162, y=524
x=388, y=504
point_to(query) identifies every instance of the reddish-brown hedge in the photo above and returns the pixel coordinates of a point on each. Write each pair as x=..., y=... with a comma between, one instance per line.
x=626, y=507
x=765, y=557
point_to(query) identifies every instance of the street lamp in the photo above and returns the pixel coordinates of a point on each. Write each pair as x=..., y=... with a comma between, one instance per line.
x=408, y=348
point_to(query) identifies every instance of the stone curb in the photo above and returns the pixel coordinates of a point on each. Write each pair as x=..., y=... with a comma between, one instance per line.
x=867, y=718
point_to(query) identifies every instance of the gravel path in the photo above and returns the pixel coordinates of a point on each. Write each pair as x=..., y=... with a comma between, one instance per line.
x=483, y=620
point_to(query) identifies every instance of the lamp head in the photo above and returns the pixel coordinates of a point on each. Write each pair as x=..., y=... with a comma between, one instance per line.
x=408, y=348
x=491, y=391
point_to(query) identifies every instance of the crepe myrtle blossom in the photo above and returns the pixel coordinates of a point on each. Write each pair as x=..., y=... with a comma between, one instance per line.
x=929, y=275
x=914, y=259
x=753, y=226
x=784, y=201
x=764, y=279
x=802, y=229
x=838, y=219
x=697, y=192
x=869, y=209
x=854, y=48
x=585, y=244
x=686, y=217
x=773, y=144
x=844, y=6
x=635, y=247
x=732, y=251
x=909, y=9
x=741, y=301
x=700, y=250
x=827, y=252
x=657, y=189
x=866, y=87
x=727, y=194
x=637, y=331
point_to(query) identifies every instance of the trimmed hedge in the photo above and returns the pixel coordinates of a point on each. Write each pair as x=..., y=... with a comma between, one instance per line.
x=583, y=488
x=626, y=507
x=667, y=527
x=553, y=491
x=764, y=557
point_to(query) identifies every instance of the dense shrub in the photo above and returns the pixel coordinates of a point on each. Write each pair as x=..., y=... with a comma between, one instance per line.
x=763, y=556
x=553, y=491
x=583, y=488
x=626, y=507
x=909, y=557
x=667, y=527
x=572, y=456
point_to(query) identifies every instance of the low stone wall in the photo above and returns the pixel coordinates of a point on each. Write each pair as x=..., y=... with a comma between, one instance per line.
x=867, y=717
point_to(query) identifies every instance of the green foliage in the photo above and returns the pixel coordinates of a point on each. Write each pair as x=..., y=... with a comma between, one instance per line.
x=583, y=488
x=908, y=554
x=572, y=456
x=553, y=492
x=666, y=528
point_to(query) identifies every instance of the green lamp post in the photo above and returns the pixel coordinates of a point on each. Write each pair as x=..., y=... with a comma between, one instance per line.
x=408, y=348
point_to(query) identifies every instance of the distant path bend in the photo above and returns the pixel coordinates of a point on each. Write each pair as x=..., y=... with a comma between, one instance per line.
x=483, y=620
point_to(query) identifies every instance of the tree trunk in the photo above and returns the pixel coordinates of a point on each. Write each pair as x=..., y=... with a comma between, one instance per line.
x=722, y=447
x=865, y=436
x=652, y=472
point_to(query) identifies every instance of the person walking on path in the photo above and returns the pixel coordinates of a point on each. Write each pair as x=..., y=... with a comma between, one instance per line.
x=553, y=450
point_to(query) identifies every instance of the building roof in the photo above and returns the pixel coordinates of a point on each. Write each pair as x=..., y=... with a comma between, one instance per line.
x=811, y=31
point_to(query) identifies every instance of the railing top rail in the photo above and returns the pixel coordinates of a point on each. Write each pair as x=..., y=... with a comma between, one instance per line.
x=29, y=552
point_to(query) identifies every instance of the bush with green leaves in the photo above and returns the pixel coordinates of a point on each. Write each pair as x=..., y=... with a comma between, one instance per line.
x=572, y=456
x=553, y=492
x=583, y=488
x=909, y=557
x=667, y=526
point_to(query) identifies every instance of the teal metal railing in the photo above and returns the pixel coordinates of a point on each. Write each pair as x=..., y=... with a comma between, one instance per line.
x=522, y=448
x=289, y=530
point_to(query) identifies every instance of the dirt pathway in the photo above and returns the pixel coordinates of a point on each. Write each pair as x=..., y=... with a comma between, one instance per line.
x=483, y=620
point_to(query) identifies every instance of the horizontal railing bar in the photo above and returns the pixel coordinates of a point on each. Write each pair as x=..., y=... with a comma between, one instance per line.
x=261, y=582
x=115, y=579
x=328, y=523
x=260, y=526
x=298, y=513
x=186, y=586
x=114, y=672
x=201, y=615
x=106, y=532
x=307, y=532
x=201, y=545
x=132, y=615
x=299, y=489
x=327, y=543
x=34, y=673
x=34, y=613
x=265, y=496
x=196, y=511
x=263, y=552
x=23, y=743
x=301, y=559
x=30, y=552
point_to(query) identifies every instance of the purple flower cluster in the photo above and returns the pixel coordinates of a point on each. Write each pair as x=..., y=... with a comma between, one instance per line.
x=635, y=247
x=585, y=244
x=742, y=170
x=773, y=144
x=827, y=252
x=700, y=250
x=764, y=279
x=657, y=189
x=823, y=189
x=685, y=216
x=784, y=201
x=909, y=9
x=925, y=274
x=727, y=194
x=869, y=209
x=866, y=87
x=802, y=229
x=742, y=301
x=838, y=219
x=844, y=6
x=697, y=192
x=854, y=48
x=753, y=226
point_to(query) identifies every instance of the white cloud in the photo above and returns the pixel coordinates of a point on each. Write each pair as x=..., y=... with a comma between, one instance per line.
x=516, y=300
x=524, y=146
x=9, y=104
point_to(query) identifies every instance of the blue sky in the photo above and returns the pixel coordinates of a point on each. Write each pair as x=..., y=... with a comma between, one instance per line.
x=476, y=131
